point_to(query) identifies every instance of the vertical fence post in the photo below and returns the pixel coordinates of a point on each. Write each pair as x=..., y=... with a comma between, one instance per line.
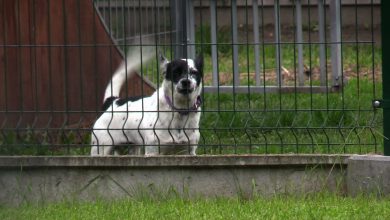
x=190, y=29
x=385, y=22
x=213, y=26
x=278, y=54
x=256, y=40
x=322, y=38
x=298, y=9
x=335, y=7
x=178, y=14
x=236, y=74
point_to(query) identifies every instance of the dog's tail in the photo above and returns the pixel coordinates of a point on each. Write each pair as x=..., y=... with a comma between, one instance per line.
x=135, y=58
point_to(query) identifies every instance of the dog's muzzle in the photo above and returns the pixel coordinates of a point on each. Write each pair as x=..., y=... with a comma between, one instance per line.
x=185, y=86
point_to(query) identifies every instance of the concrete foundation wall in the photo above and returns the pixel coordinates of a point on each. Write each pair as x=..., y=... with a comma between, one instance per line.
x=45, y=179
x=369, y=175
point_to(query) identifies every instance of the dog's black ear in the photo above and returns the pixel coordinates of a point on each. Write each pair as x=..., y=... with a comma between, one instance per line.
x=199, y=63
x=163, y=63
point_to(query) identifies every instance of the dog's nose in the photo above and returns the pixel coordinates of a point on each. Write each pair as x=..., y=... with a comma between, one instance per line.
x=186, y=83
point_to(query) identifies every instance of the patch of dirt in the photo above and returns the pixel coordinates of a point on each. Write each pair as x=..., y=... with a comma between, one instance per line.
x=348, y=34
x=290, y=77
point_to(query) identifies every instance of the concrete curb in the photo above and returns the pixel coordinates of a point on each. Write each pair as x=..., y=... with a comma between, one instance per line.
x=46, y=179
x=172, y=161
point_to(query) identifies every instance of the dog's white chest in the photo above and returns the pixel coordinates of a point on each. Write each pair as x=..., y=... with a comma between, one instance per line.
x=180, y=128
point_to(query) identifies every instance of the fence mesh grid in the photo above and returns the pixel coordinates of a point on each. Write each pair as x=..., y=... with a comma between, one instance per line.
x=279, y=76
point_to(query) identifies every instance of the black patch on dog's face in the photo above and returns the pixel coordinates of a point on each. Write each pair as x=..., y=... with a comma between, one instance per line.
x=178, y=69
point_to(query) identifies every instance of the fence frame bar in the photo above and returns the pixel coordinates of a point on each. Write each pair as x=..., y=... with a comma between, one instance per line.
x=385, y=23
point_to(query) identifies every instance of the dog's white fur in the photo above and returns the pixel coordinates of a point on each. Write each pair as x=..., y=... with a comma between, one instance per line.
x=150, y=122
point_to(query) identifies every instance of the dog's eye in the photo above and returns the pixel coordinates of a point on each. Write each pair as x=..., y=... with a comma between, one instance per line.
x=174, y=75
x=177, y=73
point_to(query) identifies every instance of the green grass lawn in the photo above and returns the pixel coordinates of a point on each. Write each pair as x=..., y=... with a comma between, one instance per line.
x=341, y=122
x=320, y=206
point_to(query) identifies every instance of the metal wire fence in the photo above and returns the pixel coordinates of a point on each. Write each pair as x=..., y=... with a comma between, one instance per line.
x=279, y=76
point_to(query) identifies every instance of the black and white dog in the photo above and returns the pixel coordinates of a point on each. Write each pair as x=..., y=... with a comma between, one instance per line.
x=167, y=122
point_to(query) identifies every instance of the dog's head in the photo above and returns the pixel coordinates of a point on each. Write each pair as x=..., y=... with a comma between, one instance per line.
x=183, y=77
